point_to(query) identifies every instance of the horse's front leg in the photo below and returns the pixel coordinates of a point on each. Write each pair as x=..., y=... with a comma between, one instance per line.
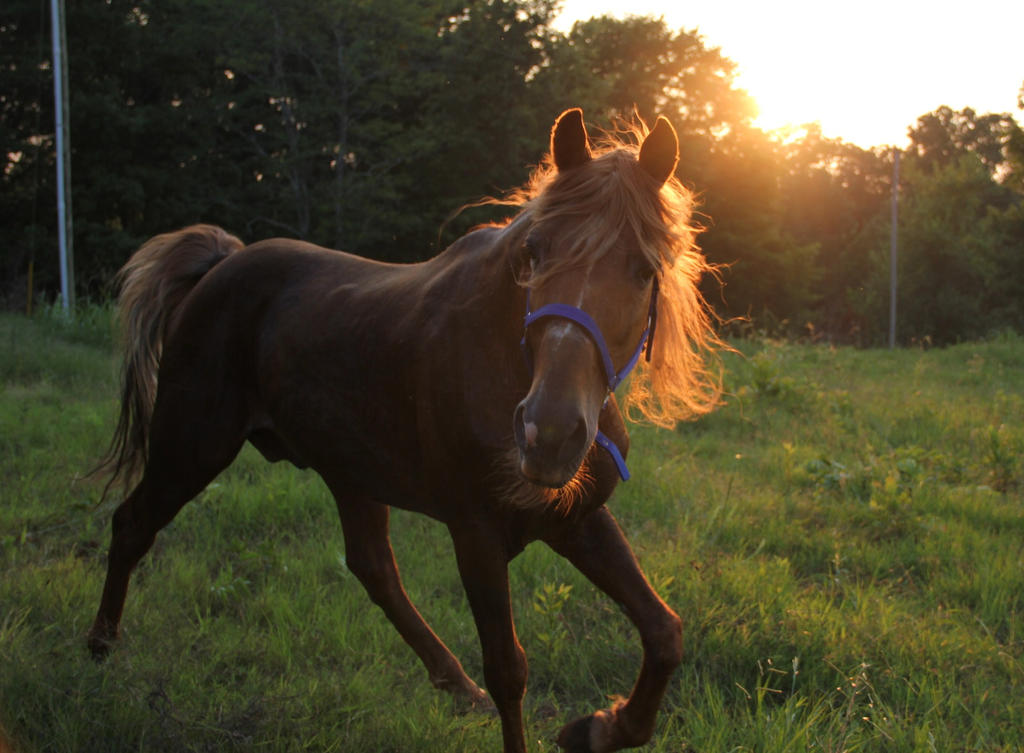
x=483, y=559
x=599, y=550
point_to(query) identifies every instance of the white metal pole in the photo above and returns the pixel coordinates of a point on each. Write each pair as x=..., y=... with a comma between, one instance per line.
x=894, y=246
x=60, y=101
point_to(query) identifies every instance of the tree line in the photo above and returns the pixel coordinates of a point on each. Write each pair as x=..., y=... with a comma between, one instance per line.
x=362, y=125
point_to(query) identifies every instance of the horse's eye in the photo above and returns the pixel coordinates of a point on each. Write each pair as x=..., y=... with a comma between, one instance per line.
x=532, y=247
x=644, y=273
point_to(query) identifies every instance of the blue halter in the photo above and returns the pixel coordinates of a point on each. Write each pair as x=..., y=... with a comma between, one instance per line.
x=582, y=318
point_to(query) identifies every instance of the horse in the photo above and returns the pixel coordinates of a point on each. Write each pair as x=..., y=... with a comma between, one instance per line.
x=477, y=387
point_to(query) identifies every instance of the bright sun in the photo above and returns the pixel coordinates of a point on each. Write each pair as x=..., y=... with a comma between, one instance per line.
x=827, y=78
x=865, y=72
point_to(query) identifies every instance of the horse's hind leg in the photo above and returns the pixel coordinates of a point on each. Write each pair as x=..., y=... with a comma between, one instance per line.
x=135, y=525
x=370, y=558
x=188, y=448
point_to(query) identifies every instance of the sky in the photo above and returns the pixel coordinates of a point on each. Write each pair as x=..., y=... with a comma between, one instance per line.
x=865, y=72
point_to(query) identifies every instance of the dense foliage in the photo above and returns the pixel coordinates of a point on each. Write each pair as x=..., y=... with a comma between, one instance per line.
x=363, y=125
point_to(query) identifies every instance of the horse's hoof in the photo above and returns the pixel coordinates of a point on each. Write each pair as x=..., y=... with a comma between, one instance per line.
x=482, y=702
x=467, y=694
x=575, y=736
x=594, y=734
x=99, y=647
x=475, y=699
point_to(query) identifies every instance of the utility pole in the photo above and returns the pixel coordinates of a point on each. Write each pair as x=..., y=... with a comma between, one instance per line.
x=60, y=102
x=894, y=246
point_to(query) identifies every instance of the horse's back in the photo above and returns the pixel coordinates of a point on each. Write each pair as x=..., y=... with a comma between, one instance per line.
x=279, y=288
x=286, y=268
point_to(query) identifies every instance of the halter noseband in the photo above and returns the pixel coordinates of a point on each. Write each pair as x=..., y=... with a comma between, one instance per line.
x=583, y=319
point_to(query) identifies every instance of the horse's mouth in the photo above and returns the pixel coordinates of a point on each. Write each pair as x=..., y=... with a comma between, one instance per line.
x=534, y=470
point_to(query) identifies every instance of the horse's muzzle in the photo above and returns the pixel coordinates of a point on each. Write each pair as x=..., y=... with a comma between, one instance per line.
x=552, y=444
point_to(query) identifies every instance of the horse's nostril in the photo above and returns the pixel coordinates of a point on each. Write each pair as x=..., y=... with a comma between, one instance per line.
x=523, y=438
x=579, y=434
x=574, y=443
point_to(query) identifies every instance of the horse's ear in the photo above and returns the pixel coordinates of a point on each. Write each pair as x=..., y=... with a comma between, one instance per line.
x=569, y=145
x=659, y=154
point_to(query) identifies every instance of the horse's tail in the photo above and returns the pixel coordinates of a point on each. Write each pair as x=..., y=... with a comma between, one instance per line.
x=154, y=283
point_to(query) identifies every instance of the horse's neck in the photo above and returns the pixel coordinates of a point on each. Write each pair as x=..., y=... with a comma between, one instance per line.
x=480, y=277
x=472, y=293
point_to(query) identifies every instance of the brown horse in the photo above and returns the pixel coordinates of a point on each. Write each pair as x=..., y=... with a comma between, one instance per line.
x=423, y=387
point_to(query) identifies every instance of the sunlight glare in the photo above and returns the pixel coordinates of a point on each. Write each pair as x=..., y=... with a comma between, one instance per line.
x=865, y=72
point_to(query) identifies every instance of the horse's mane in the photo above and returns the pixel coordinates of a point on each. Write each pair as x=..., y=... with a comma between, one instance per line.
x=682, y=380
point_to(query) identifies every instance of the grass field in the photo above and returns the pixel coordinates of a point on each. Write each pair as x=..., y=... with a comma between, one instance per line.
x=844, y=540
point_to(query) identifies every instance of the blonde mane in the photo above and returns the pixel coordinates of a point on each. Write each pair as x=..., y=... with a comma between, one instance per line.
x=683, y=379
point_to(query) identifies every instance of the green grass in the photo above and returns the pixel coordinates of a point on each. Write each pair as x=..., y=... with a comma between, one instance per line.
x=844, y=540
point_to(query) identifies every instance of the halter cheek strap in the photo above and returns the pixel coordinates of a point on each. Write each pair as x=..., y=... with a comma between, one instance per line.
x=615, y=378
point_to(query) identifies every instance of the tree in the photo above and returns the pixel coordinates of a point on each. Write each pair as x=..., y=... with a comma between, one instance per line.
x=940, y=137
x=328, y=113
x=1015, y=153
x=768, y=273
x=614, y=67
x=362, y=125
x=961, y=270
x=144, y=144
x=834, y=194
x=369, y=122
x=488, y=118
x=353, y=124
x=28, y=206
x=950, y=264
